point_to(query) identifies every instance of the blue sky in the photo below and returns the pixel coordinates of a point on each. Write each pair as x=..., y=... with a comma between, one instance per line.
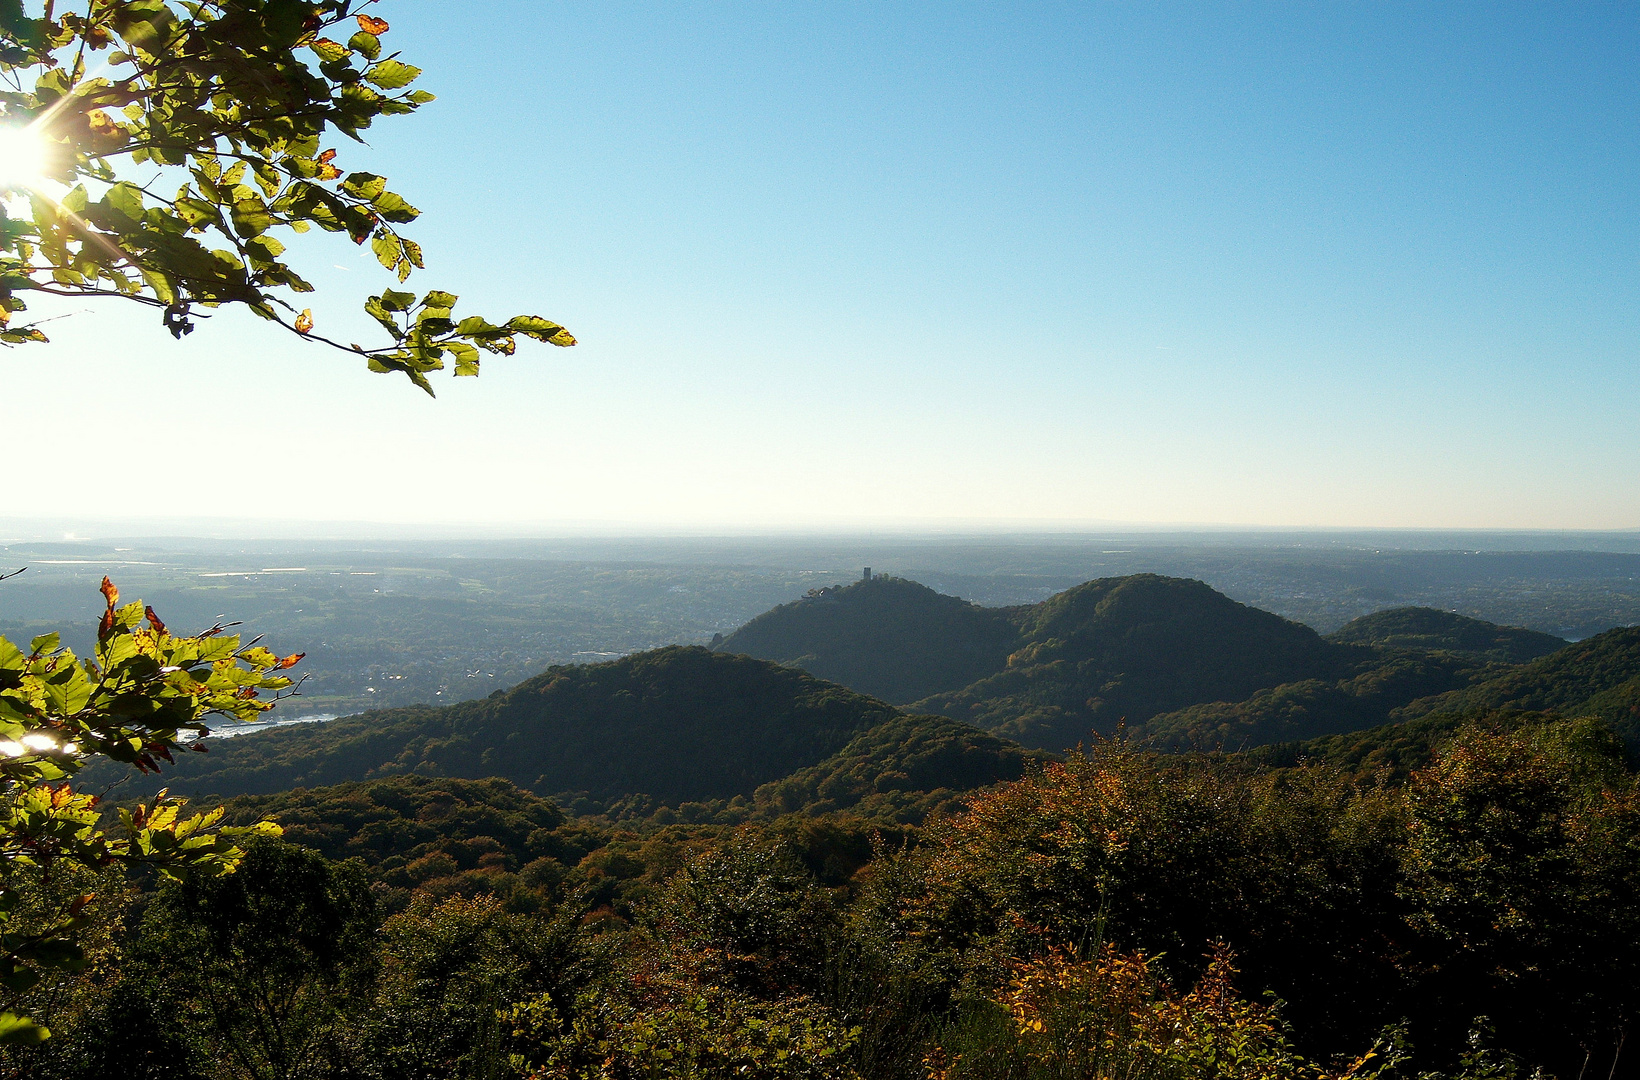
x=972, y=265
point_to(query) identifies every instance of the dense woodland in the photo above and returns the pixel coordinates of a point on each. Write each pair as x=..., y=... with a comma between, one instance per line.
x=690, y=863
x=1115, y=910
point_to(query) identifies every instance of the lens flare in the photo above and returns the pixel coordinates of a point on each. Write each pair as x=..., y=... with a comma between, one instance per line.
x=22, y=159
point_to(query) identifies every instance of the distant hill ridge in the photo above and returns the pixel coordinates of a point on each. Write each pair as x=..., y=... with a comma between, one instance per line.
x=1598, y=676
x=1182, y=665
x=885, y=636
x=1428, y=628
x=1175, y=661
x=1124, y=649
x=674, y=725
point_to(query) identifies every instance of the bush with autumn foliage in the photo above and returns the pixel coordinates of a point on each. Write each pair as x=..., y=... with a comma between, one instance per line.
x=1120, y=913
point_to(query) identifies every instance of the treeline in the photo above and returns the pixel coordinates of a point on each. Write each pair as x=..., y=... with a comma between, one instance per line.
x=1118, y=913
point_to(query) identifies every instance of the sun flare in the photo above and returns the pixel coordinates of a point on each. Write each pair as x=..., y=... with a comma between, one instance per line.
x=22, y=158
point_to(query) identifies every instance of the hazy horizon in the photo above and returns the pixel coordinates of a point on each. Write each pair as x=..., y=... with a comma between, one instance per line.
x=71, y=530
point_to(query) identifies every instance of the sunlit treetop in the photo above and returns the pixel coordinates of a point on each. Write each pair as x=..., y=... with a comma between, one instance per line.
x=159, y=152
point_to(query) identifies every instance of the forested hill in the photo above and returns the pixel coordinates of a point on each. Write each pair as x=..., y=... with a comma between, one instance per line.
x=1179, y=663
x=1598, y=676
x=677, y=724
x=1047, y=674
x=1129, y=648
x=900, y=771
x=885, y=636
x=1427, y=628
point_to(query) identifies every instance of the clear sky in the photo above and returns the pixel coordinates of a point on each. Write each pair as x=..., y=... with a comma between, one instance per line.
x=989, y=264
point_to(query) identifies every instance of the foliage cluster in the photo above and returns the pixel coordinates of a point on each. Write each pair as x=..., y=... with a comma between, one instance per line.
x=179, y=141
x=432, y=839
x=1039, y=934
x=1061, y=1017
x=129, y=703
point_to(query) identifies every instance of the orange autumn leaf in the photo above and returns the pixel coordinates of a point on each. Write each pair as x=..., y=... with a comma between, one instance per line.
x=304, y=321
x=110, y=593
x=153, y=620
x=371, y=25
x=289, y=662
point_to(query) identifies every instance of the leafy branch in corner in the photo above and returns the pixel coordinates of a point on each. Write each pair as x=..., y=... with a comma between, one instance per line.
x=224, y=107
x=132, y=701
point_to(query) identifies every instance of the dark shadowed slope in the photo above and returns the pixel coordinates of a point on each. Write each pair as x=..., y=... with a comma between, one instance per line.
x=676, y=723
x=1366, y=697
x=900, y=770
x=1598, y=676
x=1427, y=628
x=1129, y=648
x=888, y=637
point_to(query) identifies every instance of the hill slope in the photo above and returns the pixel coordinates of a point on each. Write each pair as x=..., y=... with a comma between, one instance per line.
x=1129, y=648
x=1598, y=676
x=902, y=770
x=888, y=637
x=1366, y=697
x=676, y=723
x=1427, y=628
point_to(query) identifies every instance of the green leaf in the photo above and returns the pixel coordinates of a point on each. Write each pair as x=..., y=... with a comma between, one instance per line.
x=393, y=300
x=391, y=75
x=58, y=953
x=161, y=285
x=540, y=329
x=144, y=23
x=268, y=179
x=251, y=217
x=126, y=198
x=466, y=357
x=386, y=248
x=394, y=208
x=45, y=644
x=329, y=51
x=14, y=21
x=366, y=43
x=21, y=1031
x=363, y=185
x=267, y=247
x=66, y=690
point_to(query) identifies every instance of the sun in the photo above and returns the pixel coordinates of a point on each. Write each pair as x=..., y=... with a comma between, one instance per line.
x=22, y=158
